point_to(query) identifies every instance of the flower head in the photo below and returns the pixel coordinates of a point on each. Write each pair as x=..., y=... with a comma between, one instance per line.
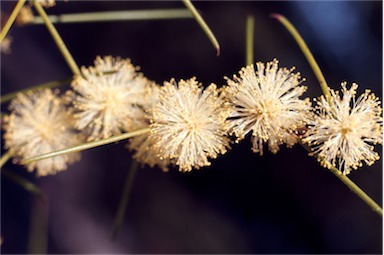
x=188, y=124
x=39, y=123
x=108, y=97
x=345, y=129
x=266, y=103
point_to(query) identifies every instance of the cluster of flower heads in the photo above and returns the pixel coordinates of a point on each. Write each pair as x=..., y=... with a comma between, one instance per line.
x=190, y=124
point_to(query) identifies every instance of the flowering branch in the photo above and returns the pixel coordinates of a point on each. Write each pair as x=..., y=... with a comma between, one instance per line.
x=116, y=16
x=249, y=39
x=59, y=41
x=203, y=25
x=86, y=146
x=326, y=91
x=11, y=19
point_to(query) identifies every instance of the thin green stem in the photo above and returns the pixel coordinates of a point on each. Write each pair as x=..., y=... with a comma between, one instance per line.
x=57, y=38
x=11, y=20
x=86, y=146
x=352, y=186
x=203, y=25
x=249, y=37
x=357, y=190
x=304, y=48
x=117, y=16
x=52, y=84
x=124, y=199
x=5, y=158
x=24, y=183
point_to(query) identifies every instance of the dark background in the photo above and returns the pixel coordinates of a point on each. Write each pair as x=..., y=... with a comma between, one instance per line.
x=243, y=203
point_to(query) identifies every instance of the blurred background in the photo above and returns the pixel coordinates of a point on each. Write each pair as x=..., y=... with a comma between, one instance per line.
x=243, y=203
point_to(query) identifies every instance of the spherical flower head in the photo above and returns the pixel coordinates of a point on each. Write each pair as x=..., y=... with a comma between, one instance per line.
x=188, y=124
x=266, y=102
x=345, y=129
x=107, y=98
x=39, y=123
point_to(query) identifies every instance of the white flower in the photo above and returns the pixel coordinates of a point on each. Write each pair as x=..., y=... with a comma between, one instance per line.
x=108, y=97
x=266, y=103
x=345, y=129
x=188, y=124
x=39, y=123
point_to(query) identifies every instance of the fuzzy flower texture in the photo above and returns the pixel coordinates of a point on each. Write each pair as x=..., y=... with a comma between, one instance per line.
x=189, y=124
x=266, y=102
x=39, y=123
x=108, y=97
x=345, y=129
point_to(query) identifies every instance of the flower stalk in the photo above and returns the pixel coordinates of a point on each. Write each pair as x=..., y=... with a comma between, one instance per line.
x=351, y=185
x=116, y=16
x=86, y=146
x=57, y=38
x=24, y=183
x=52, y=84
x=124, y=199
x=304, y=48
x=11, y=20
x=249, y=37
x=203, y=25
x=5, y=158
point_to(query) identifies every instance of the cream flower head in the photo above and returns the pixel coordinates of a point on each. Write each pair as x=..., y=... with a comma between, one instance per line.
x=39, y=123
x=345, y=129
x=108, y=97
x=266, y=103
x=188, y=124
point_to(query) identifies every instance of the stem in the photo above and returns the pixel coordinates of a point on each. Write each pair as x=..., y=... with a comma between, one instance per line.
x=249, y=36
x=352, y=186
x=304, y=48
x=38, y=229
x=203, y=25
x=24, y=183
x=51, y=84
x=5, y=158
x=86, y=146
x=11, y=19
x=358, y=191
x=124, y=199
x=56, y=36
x=117, y=16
